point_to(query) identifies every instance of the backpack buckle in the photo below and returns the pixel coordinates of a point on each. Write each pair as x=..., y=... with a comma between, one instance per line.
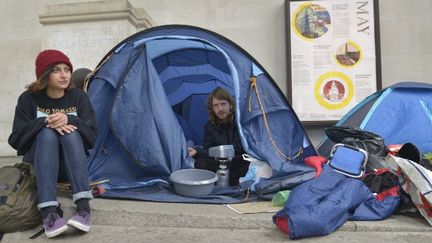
x=3, y=200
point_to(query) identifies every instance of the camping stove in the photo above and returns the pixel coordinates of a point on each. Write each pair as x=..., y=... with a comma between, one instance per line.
x=223, y=154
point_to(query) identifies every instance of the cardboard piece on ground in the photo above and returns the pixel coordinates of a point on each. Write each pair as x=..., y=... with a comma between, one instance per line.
x=254, y=207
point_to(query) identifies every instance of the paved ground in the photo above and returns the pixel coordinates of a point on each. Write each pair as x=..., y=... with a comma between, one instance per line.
x=138, y=221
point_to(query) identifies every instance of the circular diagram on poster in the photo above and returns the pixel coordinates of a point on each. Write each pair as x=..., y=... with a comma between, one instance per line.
x=311, y=21
x=348, y=54
x=334, y=90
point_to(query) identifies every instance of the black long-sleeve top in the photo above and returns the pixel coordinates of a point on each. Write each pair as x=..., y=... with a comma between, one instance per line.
x=221, y=134
x=33, y=108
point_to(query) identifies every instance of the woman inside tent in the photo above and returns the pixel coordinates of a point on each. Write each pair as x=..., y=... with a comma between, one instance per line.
x=221, y=130
x=54, y=125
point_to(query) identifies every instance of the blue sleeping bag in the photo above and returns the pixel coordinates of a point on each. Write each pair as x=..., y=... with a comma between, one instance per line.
x=321, y=205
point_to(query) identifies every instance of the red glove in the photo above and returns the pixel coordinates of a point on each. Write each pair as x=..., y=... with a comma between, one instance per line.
x=316, y=162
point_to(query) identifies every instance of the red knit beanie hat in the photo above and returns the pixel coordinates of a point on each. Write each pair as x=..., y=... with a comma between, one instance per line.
x=47, y=58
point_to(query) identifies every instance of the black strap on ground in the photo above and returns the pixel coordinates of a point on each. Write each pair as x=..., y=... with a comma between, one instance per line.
x=31, y=237
x=37, y=234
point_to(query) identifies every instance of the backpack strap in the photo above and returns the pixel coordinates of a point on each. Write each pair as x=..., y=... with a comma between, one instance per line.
x=37, y=234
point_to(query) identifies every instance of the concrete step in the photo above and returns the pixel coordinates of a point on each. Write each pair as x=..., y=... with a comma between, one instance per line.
x=141, y=221
x=153, y=214
x=107, y=234
x=130, y=213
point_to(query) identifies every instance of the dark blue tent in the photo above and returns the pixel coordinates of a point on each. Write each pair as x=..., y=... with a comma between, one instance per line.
x=149, y=93
x=400, y=114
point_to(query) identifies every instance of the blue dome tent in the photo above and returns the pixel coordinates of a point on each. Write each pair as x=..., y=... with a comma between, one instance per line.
x=401, y=113
x=149, y=93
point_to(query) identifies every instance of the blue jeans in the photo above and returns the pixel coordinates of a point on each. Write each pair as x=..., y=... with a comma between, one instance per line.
x=51, y=150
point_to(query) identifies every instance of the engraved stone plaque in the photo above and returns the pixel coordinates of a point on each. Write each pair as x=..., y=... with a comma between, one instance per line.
x=86, y=43
x=87, y=31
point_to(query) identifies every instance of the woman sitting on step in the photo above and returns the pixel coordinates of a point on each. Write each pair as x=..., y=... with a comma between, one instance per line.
x=54, y=126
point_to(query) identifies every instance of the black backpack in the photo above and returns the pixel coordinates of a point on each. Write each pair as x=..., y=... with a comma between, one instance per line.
x=18, y=198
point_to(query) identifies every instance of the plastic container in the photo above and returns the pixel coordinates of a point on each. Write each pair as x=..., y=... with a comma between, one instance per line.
x=193, y=182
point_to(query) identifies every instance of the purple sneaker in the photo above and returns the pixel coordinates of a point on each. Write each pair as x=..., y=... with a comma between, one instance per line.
x=81, y=220
x=54, y=225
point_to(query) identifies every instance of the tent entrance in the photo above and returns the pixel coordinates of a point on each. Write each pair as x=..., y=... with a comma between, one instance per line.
x=189, y=70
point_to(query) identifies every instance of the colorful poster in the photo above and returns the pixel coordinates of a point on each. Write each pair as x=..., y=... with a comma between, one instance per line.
x=333, y=61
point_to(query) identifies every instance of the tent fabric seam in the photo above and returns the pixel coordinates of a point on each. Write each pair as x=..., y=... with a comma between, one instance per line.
x=374, y=107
